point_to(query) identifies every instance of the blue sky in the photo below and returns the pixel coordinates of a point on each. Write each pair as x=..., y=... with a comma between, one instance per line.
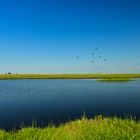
x=45, y=36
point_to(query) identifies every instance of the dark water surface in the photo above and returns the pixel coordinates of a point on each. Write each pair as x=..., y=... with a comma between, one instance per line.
x=24, y=101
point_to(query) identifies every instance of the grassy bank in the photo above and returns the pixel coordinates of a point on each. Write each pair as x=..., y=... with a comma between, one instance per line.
x=98, y=128
x=123, y=79
x=66, y=76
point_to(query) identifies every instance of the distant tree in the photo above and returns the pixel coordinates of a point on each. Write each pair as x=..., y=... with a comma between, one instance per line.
x=9, y=73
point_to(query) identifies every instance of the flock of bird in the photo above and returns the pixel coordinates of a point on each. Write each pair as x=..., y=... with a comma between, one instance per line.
x=92, y=54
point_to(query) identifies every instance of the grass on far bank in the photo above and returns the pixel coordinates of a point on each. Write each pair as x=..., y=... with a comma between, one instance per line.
x=123, y=79
x=67, y=76
x=98, y=128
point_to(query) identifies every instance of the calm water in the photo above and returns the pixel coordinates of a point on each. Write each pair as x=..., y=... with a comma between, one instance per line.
x=23, y=101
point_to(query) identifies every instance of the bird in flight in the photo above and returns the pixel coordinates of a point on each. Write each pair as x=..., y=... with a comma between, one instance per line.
x=96, y=48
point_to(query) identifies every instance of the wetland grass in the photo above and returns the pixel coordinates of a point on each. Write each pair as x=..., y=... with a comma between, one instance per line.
x=98, y=128
x=116, y=79
x=67, y=76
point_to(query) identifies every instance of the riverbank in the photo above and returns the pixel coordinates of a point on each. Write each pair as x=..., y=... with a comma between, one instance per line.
x=68, y=76
x=98, y=128
x=122, y=79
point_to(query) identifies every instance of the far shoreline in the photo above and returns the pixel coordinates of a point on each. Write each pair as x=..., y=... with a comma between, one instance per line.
x=99, y=77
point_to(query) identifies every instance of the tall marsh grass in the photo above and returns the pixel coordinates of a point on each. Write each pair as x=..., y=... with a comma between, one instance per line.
x=98, y=128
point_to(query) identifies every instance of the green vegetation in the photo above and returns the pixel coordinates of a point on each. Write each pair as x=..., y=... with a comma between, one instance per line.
x=116, y=79
x=98, y=128
x=66, y=76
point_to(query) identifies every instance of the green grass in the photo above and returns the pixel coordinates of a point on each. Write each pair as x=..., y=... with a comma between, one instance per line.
x=116, y=79
x=66, y=76
x=98, y=128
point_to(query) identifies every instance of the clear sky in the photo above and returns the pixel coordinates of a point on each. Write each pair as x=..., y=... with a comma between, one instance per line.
x=45, y=36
